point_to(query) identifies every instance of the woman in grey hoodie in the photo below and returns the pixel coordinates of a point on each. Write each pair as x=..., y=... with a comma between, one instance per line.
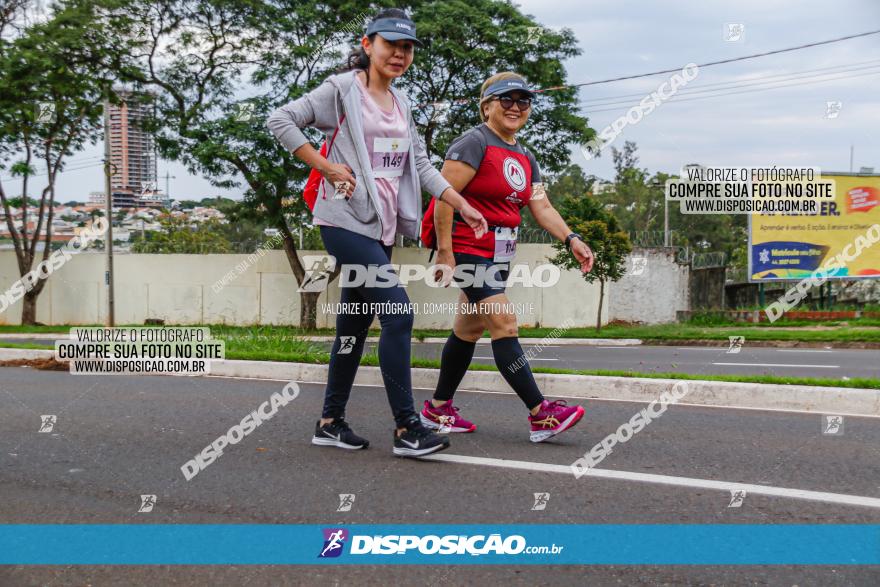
x=374, y=174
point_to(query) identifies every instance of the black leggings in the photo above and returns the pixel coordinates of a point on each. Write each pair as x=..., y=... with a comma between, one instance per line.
x=351, y=248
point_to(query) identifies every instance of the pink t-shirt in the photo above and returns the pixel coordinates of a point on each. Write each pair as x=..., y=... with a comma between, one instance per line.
x=386, y=135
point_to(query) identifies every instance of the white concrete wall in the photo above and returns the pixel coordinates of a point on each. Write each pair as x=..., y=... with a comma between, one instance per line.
x=656, y=294
x=178, y=289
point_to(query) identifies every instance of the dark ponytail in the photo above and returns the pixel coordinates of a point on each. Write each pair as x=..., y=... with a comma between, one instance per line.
x=358, y=58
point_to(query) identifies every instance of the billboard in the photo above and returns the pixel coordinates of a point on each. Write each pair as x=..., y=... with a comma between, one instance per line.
x=792, y=247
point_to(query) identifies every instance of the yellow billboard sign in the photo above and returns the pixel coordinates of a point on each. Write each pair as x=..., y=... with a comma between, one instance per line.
x=841, y=236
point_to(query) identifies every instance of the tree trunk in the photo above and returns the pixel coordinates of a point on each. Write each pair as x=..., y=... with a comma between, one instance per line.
x=601, y=299
x=308, y=309
x=308, y=299
x=29, y=308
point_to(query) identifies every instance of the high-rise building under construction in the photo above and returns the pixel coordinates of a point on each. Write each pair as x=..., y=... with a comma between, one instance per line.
x=132, y=152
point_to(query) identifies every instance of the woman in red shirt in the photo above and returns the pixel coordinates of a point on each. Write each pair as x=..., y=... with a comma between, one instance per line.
x=498, y=177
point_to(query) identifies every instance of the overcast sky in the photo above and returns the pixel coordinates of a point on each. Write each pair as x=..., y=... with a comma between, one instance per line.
x=786, y=126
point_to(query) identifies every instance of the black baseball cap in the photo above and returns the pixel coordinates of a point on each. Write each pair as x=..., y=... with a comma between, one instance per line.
x=394, y=29
x=513, y=84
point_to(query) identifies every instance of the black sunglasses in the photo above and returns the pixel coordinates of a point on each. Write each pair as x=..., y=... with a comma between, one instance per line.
x=507, y=102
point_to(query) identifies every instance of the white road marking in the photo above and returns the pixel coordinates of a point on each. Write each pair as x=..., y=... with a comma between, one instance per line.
x=531, y=359
x=691, y=348
x=725, y=486
x=801, y=351
x=635, y=348
x=779, y=365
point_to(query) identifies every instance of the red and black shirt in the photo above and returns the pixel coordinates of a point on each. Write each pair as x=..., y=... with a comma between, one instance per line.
x=501, y=187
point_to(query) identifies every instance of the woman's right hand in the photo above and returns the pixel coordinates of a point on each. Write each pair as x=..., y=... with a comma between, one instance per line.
x=443, y=276
x=340, y=176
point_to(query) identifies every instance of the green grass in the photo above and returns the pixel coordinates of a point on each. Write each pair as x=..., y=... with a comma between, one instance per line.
x=265, y=347
x=280, y=338
x=25, y=345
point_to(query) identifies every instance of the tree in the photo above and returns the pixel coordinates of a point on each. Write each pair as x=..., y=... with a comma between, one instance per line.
x=179, y=235
x=637, y=200
x=201, y=57
x=55, y=75
x=601, y=231
x=467, y=42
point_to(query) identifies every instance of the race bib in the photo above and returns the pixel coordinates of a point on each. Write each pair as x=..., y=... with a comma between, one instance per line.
x=389, y=156
x=505, y=243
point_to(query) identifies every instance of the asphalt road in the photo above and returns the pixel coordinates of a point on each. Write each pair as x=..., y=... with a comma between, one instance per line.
x=119, y=437
x=826, y=363
x=695, y=360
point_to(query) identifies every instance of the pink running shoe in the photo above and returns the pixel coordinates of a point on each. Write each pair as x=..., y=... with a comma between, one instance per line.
x=553, y=418
x=444, y=419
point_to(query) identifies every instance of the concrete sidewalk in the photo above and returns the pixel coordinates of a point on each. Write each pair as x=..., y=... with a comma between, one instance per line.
x=821, y=400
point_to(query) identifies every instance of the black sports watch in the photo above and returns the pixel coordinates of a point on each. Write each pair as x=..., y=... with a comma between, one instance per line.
x=569, y=237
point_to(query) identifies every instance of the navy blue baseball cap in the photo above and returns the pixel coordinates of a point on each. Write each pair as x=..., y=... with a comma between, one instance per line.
x=513, y=84
x=394, y=29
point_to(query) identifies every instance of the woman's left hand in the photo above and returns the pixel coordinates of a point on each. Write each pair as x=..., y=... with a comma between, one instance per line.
x=583, y=254
x=474, y=219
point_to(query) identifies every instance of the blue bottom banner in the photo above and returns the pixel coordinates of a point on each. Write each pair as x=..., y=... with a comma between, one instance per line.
x=269, y=544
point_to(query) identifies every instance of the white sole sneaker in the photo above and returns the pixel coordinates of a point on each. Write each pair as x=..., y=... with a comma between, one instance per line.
x=542, y=435
x=428, y=423
x=415, y=452
x=337, y=443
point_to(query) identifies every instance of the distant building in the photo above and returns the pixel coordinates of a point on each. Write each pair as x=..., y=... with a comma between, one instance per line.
x=132, y=154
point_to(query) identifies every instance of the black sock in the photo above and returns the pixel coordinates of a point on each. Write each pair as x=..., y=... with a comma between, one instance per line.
x=454, y=362
x=514, y=367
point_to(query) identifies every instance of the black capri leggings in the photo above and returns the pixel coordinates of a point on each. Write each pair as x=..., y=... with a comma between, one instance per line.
x=359, y=305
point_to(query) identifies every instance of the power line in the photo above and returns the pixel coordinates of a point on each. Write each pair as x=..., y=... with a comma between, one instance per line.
x=66, y=170
x=672, y=70
x=722, y=94
x=711, y=63
x=749, y=81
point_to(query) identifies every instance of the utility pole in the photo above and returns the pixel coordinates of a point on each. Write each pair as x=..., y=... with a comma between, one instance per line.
x=852, y=149
x=108, y=213
x=665, y=221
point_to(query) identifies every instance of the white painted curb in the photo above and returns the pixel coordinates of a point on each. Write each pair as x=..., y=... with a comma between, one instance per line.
x=825, y=400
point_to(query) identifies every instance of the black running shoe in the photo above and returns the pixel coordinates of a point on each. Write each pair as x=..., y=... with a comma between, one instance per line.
x=417, y=441
x=338, y=433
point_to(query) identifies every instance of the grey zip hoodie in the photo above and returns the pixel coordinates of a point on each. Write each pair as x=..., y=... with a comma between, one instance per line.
x=321, y=109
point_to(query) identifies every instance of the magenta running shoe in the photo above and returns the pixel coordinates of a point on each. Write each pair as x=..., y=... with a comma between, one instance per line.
x=553, y=418
x=445, y=418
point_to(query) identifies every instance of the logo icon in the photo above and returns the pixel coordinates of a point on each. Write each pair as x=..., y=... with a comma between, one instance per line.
x=47, y=423
x=514, y=173
x=514, y=197
x=737, y=497
x=346, y=345
x=446, y=423
x=541, y=500
x=244, y=111
x=346, y=500
x=535, y=33
x=46, y=112
x=147, y=503
x=318, y=270
x=736, y=343
x=334, y=541
x=441, y=112
x=734, y=32
x=833, y=108
x=832, y=425
x=148, y=187
x=639, y=264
